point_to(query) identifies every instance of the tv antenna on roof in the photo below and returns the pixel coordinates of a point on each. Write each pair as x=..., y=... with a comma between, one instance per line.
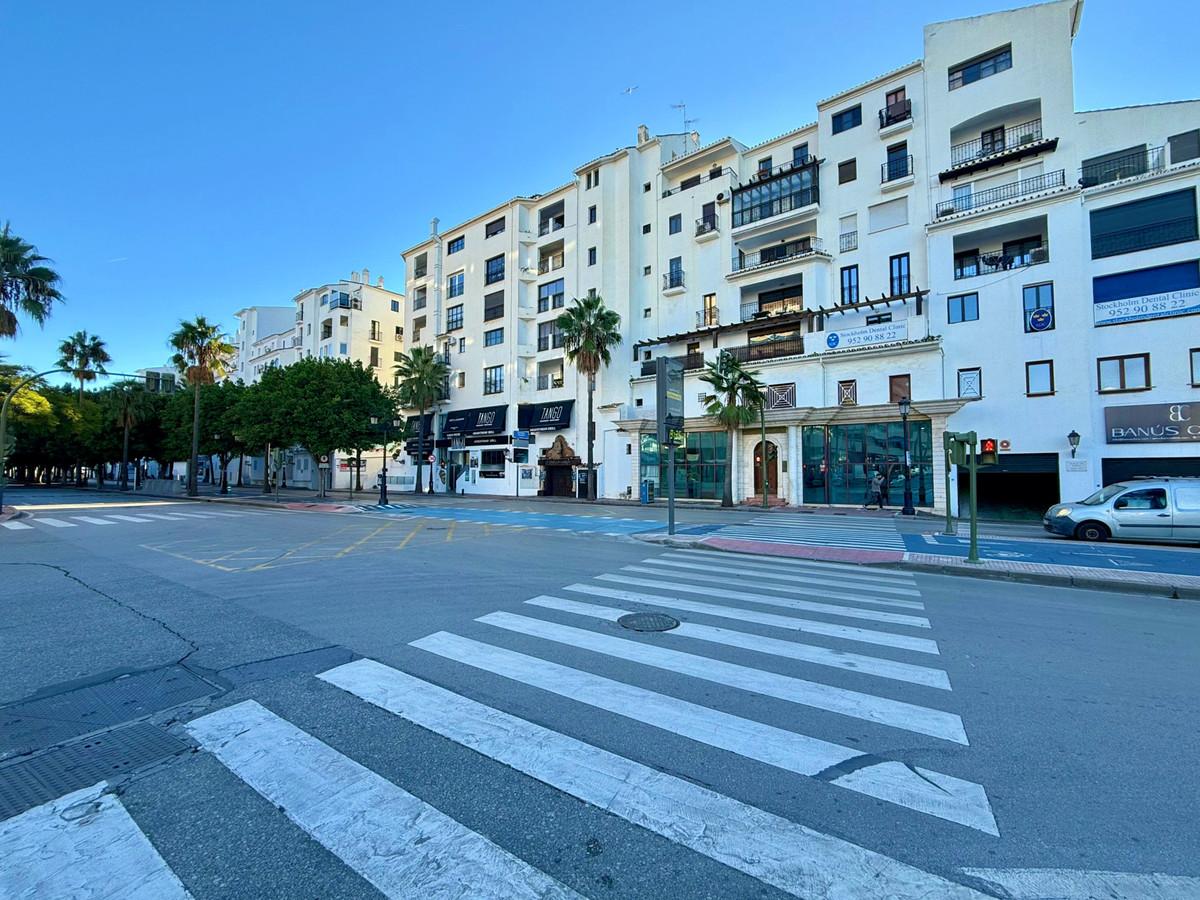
x=687, y=123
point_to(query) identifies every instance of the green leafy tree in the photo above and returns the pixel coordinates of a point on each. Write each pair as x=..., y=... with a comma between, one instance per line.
x=202, y=354
x=590, y=331
x=421, y=375
x=27, y=284
x=149, y=432
x=736, y=397
x=257, y=418
x=222, y=435
x=30, y=417
x=85, y=355
x=127, y=405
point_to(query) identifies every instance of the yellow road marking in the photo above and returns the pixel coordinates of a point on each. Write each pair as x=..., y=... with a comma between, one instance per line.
x=408, y=537
x=295, y=550
x=362, y=540
x=450, y=533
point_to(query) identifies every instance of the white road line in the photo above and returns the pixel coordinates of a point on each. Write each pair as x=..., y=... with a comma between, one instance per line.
x=821, y=656
x=782, y=562
x=1074, y=884
x=83, y=844
x=171, y=516
x=745, y=575
x=829, y=629
x=863, y=582
x=400, y=844
x=129, y=518
x=92, y=520
x=195, y=515
x=855, y=704
x=799, y=860
x=934, y=793
x=846, y=612
x=232, y=515
x=55, y=523
x=16, y=526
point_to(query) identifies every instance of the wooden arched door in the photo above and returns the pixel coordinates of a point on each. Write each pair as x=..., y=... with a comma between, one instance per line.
x=772, y=468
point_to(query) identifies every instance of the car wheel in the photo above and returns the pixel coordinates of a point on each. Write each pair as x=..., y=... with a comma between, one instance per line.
x=1092, y=531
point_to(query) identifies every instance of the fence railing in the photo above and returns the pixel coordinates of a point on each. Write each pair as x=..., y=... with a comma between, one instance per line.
x=895, y=168
x=1144, y=237
x=706, y=225
x=848, y=241
x=779, y=253
x=547, y=381
x=688, y=183
x=672, y=279
x=899, y=111
x=1143, y=162
x=768, y=350
x=990, y=262
x=756, y=309
x=996, y=141
x=1023, y=188
x=708, y=316
x=776, y=207
x=548, y=225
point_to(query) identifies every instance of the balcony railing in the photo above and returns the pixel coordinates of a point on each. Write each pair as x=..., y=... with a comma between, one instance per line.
x=1010, y=138
x=1016, y=189
x=691, y=362
x=419, y=302
x=1143, y=162
x=848, y=241
x=779, y=253
x=1144, y=237
x=688, y=183
x=672, y=279
x=377, y=334
x=420, y=271
x=990, y=262
x=768, y=350
x=549, y=341
x=776, y=207
x=545, y=226
x=708, y=317
x=550, y=263
x=758, y=309
x=345, y=303
x=900, y=111
x=896, y=168
x=706, y=225
x=548, y=381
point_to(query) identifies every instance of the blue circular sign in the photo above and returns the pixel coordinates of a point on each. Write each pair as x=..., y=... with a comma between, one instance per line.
x=832, y=340
x=1041, y=320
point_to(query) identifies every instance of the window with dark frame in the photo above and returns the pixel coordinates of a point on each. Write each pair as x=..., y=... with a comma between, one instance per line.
x=970, y=383
x=493, y=337
x=493, y=379
x=1194, y=353
x=675, y=224
x=454, y=318
x=849, y=284
x=591, y=215
x=847, y=119
x=962, y=308
x=494, y=269
x=454, y=284
x=800, y=154
x=591, y=256
x=899, y=266
x=646, y=228
x=1038, y=302
x=894, y=97
x=764, y=166
x=1156, y=221
x=1039, y=378
x=847, y=171
x=991, y=63
x=1184, y=146
x=455, y=244
x=493, y=306
x=494, y=228
x=879, y=318
x=899, y=387
x=419, y=297
x=1119, y=374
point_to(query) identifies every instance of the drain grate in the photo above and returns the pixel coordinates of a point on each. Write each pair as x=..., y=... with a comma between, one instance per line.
x=644, y=621
x=45, y=721
x=27, y=783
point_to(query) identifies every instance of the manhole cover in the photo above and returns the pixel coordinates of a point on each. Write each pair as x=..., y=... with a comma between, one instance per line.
x=648, y=622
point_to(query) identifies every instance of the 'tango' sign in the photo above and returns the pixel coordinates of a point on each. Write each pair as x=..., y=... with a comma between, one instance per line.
x=1152, y=423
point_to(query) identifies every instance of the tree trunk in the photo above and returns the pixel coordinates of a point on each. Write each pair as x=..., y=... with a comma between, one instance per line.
x=358, y=467
x=192, y=485
x=727, y=494
x=420, y=448
x=125, y=459
x=591, y=438
x=241, y=467
x=224, y=473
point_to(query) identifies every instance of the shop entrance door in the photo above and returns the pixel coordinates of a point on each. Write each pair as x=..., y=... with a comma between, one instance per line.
x=772, y=468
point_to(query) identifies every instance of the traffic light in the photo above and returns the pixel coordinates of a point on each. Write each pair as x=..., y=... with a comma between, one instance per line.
x=987, y=452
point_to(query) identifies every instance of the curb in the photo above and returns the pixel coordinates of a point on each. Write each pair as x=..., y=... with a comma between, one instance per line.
x=286, y=505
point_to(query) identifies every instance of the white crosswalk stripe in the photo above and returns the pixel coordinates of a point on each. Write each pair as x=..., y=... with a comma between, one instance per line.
x=16, y=526
x=103, y=517
x=819, y=531
x=94, y=520
x=55, y=523
x=129, y=518
x=750, y=570
x=806, y=565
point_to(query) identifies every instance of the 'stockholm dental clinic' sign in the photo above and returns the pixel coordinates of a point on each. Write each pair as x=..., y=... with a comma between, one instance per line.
x=885, y=333
x=1184, y=302
x=1152, y=423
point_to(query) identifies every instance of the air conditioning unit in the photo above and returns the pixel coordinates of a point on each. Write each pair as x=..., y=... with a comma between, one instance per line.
x=721, y=198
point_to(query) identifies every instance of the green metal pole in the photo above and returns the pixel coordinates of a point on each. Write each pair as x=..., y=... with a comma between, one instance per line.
x=973, y=552
x=762, y=467
x=946, y=439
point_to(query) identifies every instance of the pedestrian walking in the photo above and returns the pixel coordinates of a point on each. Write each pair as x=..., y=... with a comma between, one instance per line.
x=874, y=492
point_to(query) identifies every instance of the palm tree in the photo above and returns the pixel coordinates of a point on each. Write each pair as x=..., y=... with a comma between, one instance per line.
x=421, y=376
x=128, y=405
x=202, y=353
x=84, y=355
x=26, y=283
x=589, y=331
x=735, y=401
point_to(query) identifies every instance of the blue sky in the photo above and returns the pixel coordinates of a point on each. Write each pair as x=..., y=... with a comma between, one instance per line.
x=176, y=159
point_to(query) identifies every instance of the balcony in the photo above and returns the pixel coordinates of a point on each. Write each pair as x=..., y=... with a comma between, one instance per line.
x=549, y=381
x=555, y=223
x=708, y=317
x=526, y=235
x=549, y=342
x=787, y=188
x=688, y=183
x=551, y=263
x=1144, y=237
x=691, y=362
x=778, y=206
x=420, y=271
x=767, y=350
x=1144, y=162
x=345, y=302
x=673, y=282
x=707, y=227
x=898, y=112
x=779, y=253
x=760, y=309
x=1016, y=190
x=989, y=262
x=896, y=169
x=848, y=241
x=377, y=334
x=996, y=146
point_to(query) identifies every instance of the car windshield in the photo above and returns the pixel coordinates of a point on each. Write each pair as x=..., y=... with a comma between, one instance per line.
x=1105, y=493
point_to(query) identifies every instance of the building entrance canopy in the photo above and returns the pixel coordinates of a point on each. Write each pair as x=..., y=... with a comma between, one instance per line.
x=481, y=420
x=545, y=416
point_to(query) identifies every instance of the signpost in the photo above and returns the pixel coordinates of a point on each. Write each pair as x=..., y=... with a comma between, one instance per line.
x=520, y=441
x=960, y=448
x=669, y=409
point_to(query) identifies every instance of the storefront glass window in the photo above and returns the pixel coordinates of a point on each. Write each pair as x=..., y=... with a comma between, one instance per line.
x=839, y=461
x=699, y=465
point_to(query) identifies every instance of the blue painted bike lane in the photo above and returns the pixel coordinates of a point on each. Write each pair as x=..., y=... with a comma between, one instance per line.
x=1062, y=552
x=611, y=525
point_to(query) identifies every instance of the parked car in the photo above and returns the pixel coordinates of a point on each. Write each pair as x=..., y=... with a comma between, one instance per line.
x=1164, y=508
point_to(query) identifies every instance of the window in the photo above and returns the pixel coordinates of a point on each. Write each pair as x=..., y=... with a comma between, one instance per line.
x=1123, y=373
x=889, y=214
x=324, y=299
x=591, y=215
x=1184, y=146
x=800, y=154
x=981, y=67
x=879, y=319
x=421, y=265
x=454, y=318
x=646, y=188
x=775, y=196
x=454, y=284
x=899, y=270
x=1151, y=498
x=970, y=383
x=494, y=228
x=849, y=284
x=1195, y=355
x=399, y=335
x=899, y=387
x=646, y=228
x=462, y=345
x=991, y=140
x=1039, y=308
x=395, y=306
x=591, y=256
x=1151, y=222
x=374, y=363
x=847, y=171
x=962, y=308
x=894, y=97
x=493, y=337
x=1039, y=378
x=647, y=313
x=546, y=332
x=494, y=269
x=764, y=166
x=847, y=119
x=493, y=379
x=419, y=296
x=343, y=349
x=592, y=178
x=327, y=329
x=456, y=244
x=899, y=163
x=551, y=294
x=397, y=357
x=418, y=325
x=675, y=224
x=376, y=331
x=493, y=306
x=461, y=380
x=645, y=270
x=688, y=183
x=847, y=393
x=708, y=313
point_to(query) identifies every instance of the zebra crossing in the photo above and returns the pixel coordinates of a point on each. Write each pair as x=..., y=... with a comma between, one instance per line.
x=849, y=532
x=863, y=653
x=39, y=522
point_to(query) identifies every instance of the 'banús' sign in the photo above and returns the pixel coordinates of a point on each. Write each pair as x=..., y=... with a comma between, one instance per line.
x=1152, y=423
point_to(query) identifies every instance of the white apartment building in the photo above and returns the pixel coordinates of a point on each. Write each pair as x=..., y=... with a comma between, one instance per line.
x=265, y=337
x=954, y=232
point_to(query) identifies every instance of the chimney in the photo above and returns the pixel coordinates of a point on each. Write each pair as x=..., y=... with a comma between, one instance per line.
x=643, y=134
x=695, y=136
x=366, y=276
x=433, y=224
x=380, y=281
x=354, y=276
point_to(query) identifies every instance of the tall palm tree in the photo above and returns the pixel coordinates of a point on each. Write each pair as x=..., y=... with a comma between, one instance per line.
x=421, y=375
x=128, y=401
x=735, y=401
x=26, y=283
x=202, y=353
x=85, y=355
x=589, y=331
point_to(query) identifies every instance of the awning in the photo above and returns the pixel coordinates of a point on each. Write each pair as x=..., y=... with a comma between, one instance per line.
x=481, y=420
x=545, y=416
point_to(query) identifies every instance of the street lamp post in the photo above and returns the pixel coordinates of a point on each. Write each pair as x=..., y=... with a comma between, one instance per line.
x=395, y=423
x=762, y=447
x=905, y=407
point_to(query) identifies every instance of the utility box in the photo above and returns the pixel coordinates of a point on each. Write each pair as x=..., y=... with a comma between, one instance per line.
x=647, y=492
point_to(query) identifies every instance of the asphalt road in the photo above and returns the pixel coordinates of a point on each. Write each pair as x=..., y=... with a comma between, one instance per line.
x=1051, y=729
